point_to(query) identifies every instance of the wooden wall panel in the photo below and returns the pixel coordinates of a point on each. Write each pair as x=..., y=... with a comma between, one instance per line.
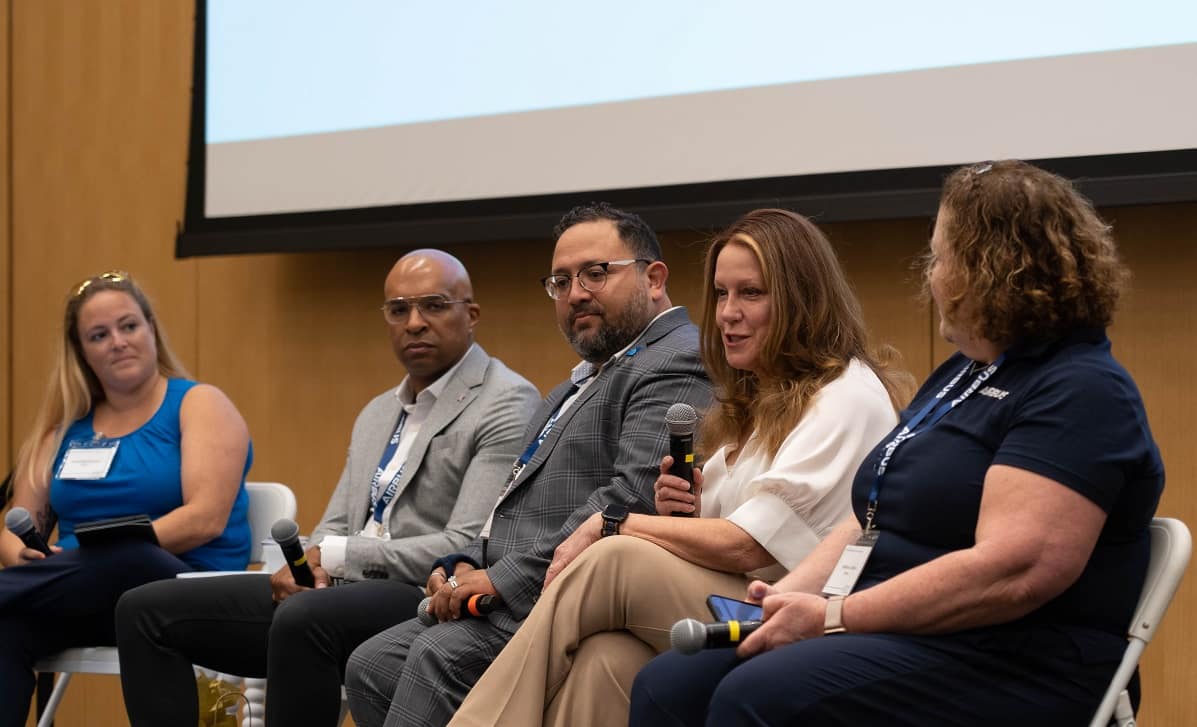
x=99, y=98
x=880, y=258
x=99, y=148
x=1155, y=337
x=99, y=129
x=7, y=453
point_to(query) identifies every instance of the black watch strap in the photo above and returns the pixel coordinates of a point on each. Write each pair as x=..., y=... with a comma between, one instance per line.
x=613, y=517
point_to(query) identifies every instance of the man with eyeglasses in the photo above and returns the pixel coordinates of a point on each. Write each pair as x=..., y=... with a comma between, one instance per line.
x=425, y=464
x=595, y=445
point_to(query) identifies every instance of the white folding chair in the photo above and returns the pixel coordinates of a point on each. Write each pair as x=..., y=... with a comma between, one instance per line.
x=268, y=501
x=1171, y=546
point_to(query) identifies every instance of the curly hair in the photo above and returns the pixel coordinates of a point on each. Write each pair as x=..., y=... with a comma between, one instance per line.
x=1028, y=253
x=816, y=329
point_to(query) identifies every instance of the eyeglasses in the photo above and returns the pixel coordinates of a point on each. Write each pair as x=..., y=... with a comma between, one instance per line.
x=397, y=310
x=111, y=276
x=592, y=278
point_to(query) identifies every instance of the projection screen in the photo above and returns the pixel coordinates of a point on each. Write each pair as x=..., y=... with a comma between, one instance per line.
x=372, y=122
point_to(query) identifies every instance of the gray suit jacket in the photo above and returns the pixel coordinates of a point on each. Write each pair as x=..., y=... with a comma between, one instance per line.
x=454, y=472
x=606, y=448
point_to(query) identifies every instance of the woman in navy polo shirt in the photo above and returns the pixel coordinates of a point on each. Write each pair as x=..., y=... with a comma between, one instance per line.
x=1000, y=532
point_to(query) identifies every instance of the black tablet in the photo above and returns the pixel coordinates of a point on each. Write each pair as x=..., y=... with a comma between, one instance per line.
x=115, y=530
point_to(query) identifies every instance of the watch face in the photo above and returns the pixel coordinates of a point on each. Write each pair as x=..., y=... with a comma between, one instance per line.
x=615, y=512
x=613, y=517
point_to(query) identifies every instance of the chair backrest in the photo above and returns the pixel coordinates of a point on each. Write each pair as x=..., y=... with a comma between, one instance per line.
x=268, y=501
x=1171, y=547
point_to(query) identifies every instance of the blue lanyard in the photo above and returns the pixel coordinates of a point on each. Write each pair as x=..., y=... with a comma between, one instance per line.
x=924, y=419
x=534, y=445
x=380, y=503
x=518, y=466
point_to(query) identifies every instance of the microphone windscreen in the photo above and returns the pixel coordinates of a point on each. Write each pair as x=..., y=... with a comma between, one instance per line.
x=681, y=419
x=18, y=521
x=688, y=636
x=426, y=618
x=284, y=530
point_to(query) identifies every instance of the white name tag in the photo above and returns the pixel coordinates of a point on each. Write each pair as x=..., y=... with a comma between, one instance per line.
x=88, y=459
x=374, y=530
x=850, y=565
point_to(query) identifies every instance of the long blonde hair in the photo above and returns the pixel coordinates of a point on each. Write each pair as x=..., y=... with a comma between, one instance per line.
x=73, y=389
x=816, y=329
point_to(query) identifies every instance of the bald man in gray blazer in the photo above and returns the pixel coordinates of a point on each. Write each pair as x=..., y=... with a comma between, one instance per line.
x=425, y=465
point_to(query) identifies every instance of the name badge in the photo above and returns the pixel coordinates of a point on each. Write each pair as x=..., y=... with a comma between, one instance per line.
x=88, y=459
x=850, y=565
x=374, y=529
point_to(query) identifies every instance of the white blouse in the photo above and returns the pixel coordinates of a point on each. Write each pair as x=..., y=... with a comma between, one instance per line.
x=790, y=501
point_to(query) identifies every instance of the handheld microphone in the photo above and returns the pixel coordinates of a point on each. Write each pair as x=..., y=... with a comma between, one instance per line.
x=680, y=420
x=690, y=637
x=286, y=533
x=21, y=525
x=476, y=606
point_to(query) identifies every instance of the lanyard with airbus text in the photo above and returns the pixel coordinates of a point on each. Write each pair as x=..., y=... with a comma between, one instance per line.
x=379, y=502
x=523, y=461
x=852, y=561
x=534, y=445
x=520, y=464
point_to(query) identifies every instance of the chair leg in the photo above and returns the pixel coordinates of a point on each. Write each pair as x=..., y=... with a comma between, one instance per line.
x=255, y=703
x=47, y=718
x=1124, y=714
x=45, y=685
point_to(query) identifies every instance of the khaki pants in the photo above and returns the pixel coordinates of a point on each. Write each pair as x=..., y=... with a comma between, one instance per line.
x=573, y=659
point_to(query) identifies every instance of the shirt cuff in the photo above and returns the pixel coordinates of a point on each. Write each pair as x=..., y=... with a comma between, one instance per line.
x=778, y=529
x=332, y=554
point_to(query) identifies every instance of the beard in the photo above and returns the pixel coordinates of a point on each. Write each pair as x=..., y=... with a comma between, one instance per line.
x=614, y=332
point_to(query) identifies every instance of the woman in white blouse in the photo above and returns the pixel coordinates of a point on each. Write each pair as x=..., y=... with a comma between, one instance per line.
x=801, y=398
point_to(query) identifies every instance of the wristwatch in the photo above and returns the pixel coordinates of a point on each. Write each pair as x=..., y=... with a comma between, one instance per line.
x=613, y=517
x=833, y=622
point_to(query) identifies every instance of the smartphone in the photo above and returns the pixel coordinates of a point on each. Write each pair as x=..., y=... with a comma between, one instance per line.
x=729, y=609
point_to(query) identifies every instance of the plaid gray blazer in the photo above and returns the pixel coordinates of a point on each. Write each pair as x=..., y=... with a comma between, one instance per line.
x=606, y=448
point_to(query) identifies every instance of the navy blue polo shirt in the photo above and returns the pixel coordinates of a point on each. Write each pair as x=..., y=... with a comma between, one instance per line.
x=1065, y=410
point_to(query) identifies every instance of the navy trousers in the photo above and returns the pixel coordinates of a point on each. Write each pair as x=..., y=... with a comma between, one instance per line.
x=66, y=600
x=883, y=679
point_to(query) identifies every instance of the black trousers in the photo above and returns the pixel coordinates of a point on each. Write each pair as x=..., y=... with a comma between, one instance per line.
x=66, y=601
x=230, y=624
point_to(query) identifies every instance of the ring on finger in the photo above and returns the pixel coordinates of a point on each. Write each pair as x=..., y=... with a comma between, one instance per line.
x=452, y=581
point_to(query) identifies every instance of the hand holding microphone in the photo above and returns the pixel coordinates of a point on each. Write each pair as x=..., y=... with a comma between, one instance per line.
x=286, y=533
x=476, y=606
x=20, y=523
x=787, y=617
x=452, y=598
x=675, y=491
x=680, y=420
x=690, y=636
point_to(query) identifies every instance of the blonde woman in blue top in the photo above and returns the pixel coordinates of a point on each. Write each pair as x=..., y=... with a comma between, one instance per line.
x=121, y=432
